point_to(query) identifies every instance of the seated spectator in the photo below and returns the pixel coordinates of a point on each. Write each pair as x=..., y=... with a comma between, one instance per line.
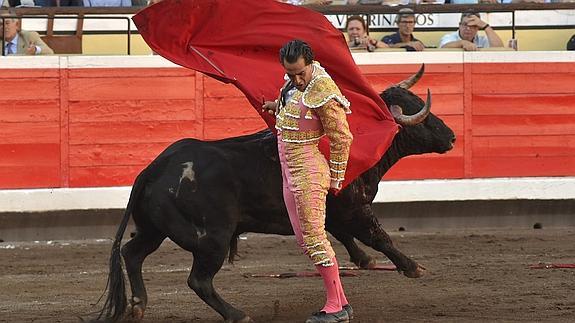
x=20, y=42
x=59, y=3
x=466, y=36
x=403, y=38
x=107, y=3
x=571, y=43
x=358, y=35
x=306, y=2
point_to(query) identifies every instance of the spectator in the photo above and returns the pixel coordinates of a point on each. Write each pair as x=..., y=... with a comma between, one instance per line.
x=358, y=35
x=107, y=3
x=403, y=38
x=466, y=36
x=20, y=42
x=571, y=43
x=306, y=2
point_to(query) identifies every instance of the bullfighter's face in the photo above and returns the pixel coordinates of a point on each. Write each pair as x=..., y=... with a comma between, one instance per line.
x=299, y=73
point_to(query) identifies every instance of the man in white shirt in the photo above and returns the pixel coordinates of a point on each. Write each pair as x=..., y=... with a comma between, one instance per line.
x=466, y=36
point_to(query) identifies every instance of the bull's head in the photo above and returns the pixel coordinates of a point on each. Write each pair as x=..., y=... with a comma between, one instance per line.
x=422, y=132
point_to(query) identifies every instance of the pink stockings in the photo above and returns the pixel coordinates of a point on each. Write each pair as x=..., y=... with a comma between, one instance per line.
x=335, y=297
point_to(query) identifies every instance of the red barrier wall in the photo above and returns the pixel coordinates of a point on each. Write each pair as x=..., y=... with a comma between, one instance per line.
x=78, y=127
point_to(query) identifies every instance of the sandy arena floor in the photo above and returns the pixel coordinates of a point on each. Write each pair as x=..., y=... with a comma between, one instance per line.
x=479, y=275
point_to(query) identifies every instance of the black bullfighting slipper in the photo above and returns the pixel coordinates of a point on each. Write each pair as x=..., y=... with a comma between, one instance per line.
x=323, y=317
x=349, y=311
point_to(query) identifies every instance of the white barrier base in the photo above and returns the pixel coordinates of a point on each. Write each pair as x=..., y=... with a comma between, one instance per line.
x=524, y=188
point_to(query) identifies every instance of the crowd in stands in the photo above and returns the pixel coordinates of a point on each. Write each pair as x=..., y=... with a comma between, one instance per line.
x=15, y=41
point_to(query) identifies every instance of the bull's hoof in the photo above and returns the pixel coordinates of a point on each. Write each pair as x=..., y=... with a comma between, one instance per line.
x=137, y=310
x=418, y=272
x=245, y=319
x=365, y=263
x=137, y=313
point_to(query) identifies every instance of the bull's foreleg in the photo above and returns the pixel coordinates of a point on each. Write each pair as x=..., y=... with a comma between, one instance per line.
x=367, y=229
x=134, y=252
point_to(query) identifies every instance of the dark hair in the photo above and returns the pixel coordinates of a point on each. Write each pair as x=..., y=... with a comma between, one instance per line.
x=295, y=49
x=469, y=13
x=358, y=18
x=404, y=13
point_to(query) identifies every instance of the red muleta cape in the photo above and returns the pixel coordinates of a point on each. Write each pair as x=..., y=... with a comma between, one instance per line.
x=238, y=42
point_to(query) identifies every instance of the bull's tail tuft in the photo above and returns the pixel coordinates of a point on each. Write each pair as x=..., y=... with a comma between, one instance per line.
x=116, y=300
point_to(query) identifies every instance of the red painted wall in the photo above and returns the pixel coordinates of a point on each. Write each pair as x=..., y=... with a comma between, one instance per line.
x=76, y=127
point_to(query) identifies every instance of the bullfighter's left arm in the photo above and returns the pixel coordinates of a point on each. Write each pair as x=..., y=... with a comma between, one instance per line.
x=333, y=119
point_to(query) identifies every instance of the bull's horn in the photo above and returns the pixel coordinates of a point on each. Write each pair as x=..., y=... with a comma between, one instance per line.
x=412, y=120
x=409, y=82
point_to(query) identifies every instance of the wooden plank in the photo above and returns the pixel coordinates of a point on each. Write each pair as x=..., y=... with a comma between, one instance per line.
x=226, y=128
x=132, y=110
x=26, y=176
x=151, y=72
x=104, y=176
x=445, y=104
x=11, y=74
x=523, y=166
x=132, y=88
x=224, y=108
x=523, y=104
x=115, y=154
x=64, y=129
x=30, y=154
x=26, y=88
x=527, y=146
x=410, y=69
x=532, y=83
x=522, y=68
x=30, y=132
x=129, y=132
x=216, y=89
x=199, y=105
x=523, y=125
x=468, y=130
x=426, y=168
x=437, y=83
x=29, y=111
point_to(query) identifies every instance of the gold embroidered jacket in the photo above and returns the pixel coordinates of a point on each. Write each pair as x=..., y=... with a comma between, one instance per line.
x=320, y=110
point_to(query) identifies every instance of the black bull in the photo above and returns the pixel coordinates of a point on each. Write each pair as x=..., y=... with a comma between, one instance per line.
x=202, y=195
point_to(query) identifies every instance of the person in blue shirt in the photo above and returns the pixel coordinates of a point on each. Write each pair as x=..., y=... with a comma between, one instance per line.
x=403, y=38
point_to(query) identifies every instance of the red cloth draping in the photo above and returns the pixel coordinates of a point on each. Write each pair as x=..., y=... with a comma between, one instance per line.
x=238, y=42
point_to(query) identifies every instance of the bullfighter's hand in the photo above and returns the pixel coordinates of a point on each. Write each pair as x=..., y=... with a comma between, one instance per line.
x=270, y=107
x=335, y=185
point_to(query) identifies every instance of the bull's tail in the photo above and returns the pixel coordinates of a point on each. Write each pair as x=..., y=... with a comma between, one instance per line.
x=116, y=300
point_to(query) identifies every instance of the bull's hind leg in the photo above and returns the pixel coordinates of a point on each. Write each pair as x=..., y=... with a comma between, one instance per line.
x=208, y=259
x=134, y=252
x=369, y=231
